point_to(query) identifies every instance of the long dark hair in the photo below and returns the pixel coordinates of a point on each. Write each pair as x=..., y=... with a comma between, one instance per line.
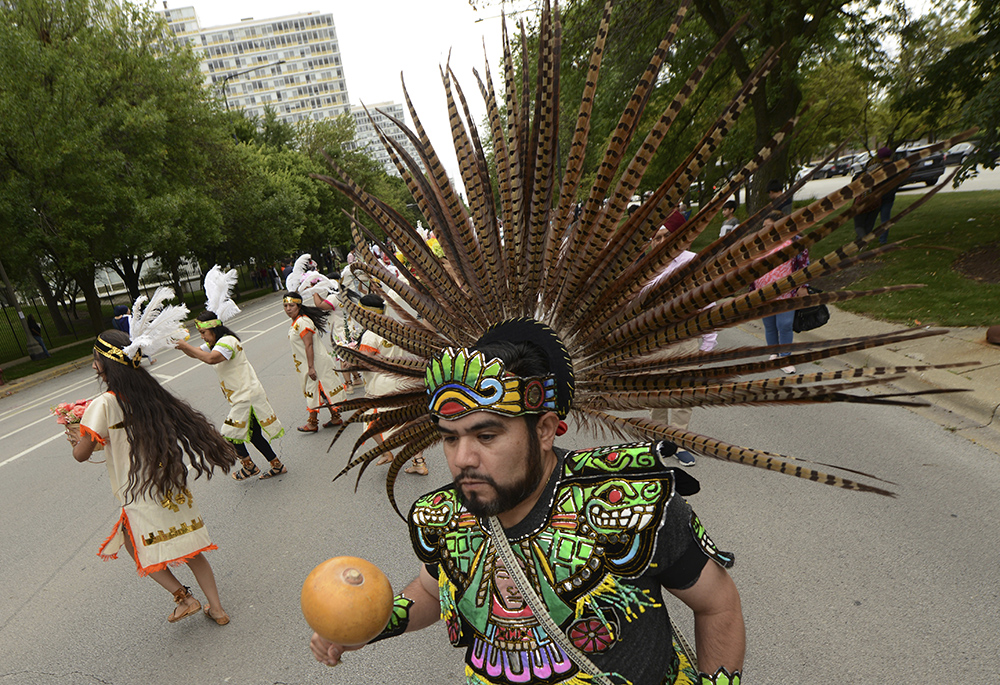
x=317, y=315
x=161, y=429
x=219, y=330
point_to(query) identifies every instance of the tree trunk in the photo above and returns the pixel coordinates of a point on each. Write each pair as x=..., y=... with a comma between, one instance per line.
x=126, y=267
x=85, y=279
x=50, y=301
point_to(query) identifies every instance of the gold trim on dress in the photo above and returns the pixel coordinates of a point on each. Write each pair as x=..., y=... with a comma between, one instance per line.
x=173, y=502
x=174, y=532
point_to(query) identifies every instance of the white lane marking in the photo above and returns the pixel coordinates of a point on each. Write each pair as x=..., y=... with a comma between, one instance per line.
x=32, y=449
x=194, y=366
x=63, y=391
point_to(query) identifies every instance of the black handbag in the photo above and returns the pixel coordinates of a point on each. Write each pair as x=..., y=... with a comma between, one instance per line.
x=809, y=318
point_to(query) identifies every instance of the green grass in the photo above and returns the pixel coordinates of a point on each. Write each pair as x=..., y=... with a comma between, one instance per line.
x=62, y=356
x=935, y=235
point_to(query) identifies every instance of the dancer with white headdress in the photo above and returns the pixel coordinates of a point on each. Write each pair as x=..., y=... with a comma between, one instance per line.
x=251, y=418
x=147, y=432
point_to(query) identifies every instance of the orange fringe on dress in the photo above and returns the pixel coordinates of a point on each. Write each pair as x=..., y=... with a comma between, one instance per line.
x=143, y=572
x=93, y=436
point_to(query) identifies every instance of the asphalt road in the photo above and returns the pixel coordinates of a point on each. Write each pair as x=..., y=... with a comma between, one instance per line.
x=837, y=586
x=988, y=179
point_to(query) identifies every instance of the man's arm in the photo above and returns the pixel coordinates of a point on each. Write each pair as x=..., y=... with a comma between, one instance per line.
x=425, y=611
x=719, y=633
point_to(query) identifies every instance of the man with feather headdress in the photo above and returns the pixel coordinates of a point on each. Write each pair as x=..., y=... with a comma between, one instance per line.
x=548, y=566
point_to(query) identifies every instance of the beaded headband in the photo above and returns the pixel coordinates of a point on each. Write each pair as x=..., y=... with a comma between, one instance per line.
x=461, y=381
x=115, y=353
x=211, y=323
x=292, y=298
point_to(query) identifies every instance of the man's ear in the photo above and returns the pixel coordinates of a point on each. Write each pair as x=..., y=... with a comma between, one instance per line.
x=546, y=429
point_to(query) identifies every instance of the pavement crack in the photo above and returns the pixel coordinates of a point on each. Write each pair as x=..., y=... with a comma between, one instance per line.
x=14, y=674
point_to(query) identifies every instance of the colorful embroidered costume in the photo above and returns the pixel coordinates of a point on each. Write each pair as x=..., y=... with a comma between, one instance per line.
x=163, y=532
x=244, y=392
x=610, y=529
x=326, y=382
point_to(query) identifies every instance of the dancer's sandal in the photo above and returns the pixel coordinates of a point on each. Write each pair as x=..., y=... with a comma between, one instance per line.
x=335, y=420
x=308, y=428
x=277, y=468
x=221, y=620
x=384, y=459
x=180, y=597
x=249, y=470
x=348, y=388
x=418, y=467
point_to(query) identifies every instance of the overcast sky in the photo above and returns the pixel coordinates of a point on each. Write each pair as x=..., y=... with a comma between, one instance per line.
x=381, y=38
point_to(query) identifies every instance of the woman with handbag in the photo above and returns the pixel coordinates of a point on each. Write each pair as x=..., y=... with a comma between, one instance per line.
x=778, y=327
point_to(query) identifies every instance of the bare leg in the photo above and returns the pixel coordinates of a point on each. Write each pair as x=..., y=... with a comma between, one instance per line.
x=167, y=580
x=206, y=581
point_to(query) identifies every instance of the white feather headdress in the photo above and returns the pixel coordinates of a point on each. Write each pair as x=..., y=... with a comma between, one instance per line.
x=218, y=291
x=158, y=326
x=302, y=264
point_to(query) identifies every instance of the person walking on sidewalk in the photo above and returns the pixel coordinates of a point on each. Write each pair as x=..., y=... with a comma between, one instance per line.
x=778, y=327
x=320, y=386
x=146, y=433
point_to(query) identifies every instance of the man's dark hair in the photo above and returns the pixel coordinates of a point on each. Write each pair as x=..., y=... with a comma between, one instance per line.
x=523, y=359
x=774, y=186
x=729, y=204
x=372, y=301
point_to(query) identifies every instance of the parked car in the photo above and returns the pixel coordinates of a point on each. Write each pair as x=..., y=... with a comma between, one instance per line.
x=836, y=167
x=859, y=163
x=805, y=171
x=927, y=170
x=957, y=153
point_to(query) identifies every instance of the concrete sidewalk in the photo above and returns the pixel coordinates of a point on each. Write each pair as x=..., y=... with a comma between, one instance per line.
x=973, y=413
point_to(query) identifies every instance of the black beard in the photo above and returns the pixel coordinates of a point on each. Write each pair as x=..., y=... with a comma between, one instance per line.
x=507, y=496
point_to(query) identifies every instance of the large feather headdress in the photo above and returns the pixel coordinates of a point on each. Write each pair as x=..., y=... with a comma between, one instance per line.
x=218, y=293
x=587, y=274
x=157, y=325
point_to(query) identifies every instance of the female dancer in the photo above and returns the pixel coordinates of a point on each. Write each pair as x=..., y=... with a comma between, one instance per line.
x=319, y=379
x=146, y=432
x=250, y=416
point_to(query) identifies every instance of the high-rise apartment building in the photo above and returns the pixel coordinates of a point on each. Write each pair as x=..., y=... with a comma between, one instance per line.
x=291, y=63
x=366, y=137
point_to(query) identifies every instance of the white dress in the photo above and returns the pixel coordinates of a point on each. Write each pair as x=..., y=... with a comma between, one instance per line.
x=164, y=531
x=244, y=392
x=327, y=381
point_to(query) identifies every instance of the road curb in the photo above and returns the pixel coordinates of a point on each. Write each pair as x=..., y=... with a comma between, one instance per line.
x=16, y=386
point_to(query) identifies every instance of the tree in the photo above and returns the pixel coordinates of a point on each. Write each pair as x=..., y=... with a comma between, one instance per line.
x=966, y=74
x=807, y=32
x=106, y=132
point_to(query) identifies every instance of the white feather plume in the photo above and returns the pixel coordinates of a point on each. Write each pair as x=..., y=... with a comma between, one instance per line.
x=218, y=290
x=298, y=270
x=315, y=282
x=158, y=326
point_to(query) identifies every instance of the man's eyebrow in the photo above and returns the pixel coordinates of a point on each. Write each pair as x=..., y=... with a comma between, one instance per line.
x=482, y=425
